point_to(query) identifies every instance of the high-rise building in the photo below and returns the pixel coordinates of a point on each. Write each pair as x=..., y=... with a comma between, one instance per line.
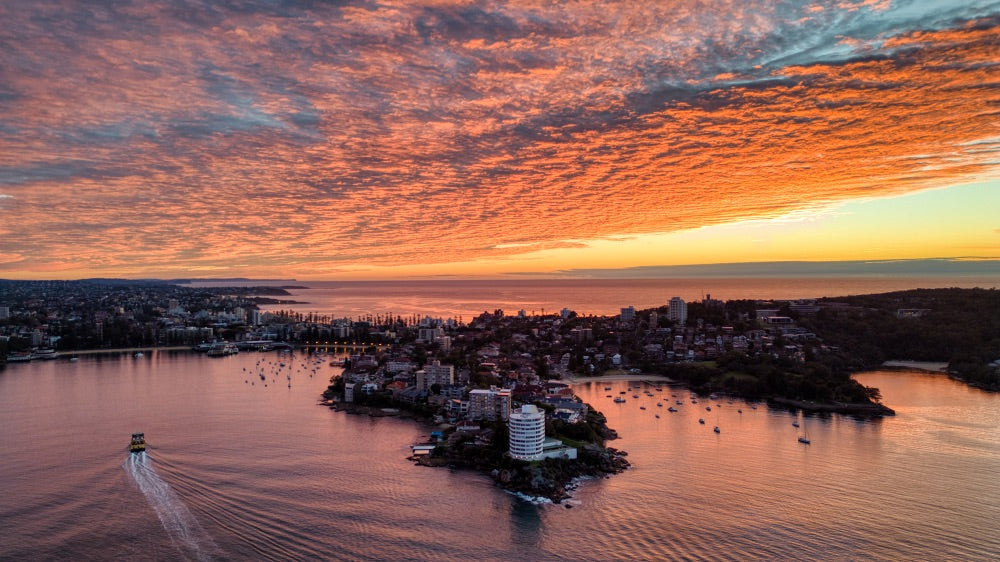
x=527, y=433
x=492, y=404
x=437, y=373
x=628, y=314
x=678, y=310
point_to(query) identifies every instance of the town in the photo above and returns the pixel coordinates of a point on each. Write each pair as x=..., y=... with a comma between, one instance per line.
x=498, y=388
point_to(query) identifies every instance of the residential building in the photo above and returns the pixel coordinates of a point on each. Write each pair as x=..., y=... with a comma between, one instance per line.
x=489, y=404
x=628, y=314
x=527, y=433
x=678, y=310
x=435, y=373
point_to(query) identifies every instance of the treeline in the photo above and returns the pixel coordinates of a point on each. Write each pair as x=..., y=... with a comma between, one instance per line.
x=957, y=326
x=819, y=379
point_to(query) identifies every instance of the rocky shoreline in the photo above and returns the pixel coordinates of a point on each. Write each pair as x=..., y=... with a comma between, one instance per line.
x=871, y=410
x=551, y=479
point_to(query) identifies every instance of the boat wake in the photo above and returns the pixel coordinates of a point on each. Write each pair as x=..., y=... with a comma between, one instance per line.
x=185, y=533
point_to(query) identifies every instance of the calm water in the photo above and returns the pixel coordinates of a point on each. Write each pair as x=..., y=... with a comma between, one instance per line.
x=239, y=471
x=467, y=299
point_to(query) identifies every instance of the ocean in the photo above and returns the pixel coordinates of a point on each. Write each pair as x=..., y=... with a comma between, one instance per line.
x=464, y=300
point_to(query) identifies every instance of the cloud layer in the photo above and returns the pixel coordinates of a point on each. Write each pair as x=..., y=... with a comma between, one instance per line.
x=275, y=137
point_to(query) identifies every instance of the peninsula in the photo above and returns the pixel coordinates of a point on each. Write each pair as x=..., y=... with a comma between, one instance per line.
x=471, y=380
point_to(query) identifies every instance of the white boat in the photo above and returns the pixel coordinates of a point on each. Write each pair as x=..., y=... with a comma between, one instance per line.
x=138, y=355
x=45, y=353
x=620, y=400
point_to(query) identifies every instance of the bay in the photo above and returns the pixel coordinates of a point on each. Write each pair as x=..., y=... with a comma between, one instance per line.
x=240, y=471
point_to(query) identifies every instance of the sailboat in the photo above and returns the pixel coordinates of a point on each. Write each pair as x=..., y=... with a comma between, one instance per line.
x=804, y=438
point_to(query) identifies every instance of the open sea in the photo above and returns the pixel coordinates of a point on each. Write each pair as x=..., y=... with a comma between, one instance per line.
x=468, y=299
x=240, y=468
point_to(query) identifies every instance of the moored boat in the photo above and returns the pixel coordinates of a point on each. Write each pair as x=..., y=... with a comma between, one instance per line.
x=138, y=443
x=44, y=353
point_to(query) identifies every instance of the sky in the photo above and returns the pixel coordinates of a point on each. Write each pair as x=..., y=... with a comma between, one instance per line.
x=378, y=139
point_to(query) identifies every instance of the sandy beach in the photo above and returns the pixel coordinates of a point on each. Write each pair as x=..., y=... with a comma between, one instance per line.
x=618, y=377
x=930, y=366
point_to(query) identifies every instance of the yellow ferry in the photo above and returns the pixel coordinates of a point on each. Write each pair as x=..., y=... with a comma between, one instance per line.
x=138, y=443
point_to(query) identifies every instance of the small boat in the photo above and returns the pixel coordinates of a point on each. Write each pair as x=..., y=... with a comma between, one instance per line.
x=701, y=421
x=708, y=408
x=671, y=409
x=138, y=443
x=642, y=407
x=804, y=439
x=657, y=415
x=716, y=429
x=138, y=355
x=739, y=411
x=635, y=396
x=619, y=400
x=795, y=423
x=659, y=404
x=607, y=388
x=607, y=396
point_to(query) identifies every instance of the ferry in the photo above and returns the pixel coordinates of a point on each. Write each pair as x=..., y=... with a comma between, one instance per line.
x=138, y=443
x=44, y=353
x=222, y=349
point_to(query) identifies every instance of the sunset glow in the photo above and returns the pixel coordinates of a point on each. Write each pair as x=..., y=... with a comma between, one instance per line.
x=413, y=139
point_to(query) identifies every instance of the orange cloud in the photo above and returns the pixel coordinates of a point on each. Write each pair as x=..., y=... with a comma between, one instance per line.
x=144, y=139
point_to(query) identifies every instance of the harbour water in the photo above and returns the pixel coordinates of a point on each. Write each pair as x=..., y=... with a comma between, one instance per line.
x=237, y=470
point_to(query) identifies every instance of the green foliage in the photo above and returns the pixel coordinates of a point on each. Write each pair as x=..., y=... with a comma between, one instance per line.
x=959, y=326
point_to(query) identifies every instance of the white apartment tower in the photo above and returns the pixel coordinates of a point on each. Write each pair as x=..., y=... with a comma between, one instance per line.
x=678, y=310
x=527, y=433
